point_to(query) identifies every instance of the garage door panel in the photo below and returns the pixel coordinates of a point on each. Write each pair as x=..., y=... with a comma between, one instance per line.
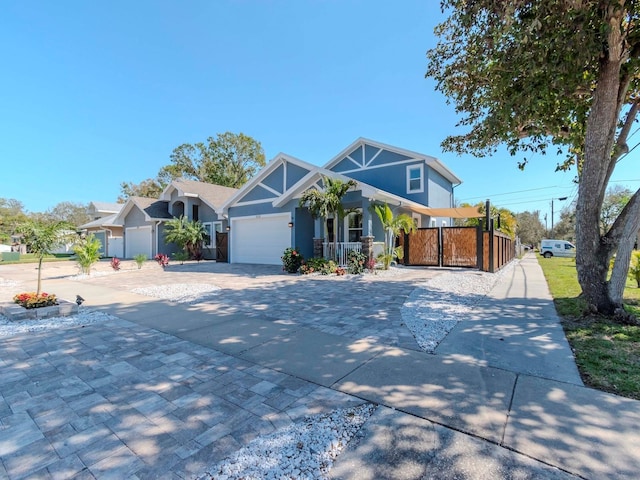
x=260, y=240
x=138, y=240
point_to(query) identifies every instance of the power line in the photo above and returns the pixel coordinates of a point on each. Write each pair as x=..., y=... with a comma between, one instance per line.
x=510, y=193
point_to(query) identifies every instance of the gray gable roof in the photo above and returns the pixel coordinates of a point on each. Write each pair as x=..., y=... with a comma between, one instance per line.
x=104, y=221
x=107, y=207
x=214, y=195
x=154, y=208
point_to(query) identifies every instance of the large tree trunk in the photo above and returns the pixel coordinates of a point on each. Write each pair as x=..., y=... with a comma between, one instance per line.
x=593, y=252
x=630, y=221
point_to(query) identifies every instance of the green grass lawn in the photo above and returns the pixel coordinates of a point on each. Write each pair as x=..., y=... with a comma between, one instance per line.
x=31, y=258
x=607, y=353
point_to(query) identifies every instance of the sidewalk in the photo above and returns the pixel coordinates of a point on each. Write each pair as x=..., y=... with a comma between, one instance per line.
x=172, y=388
x=518, y=405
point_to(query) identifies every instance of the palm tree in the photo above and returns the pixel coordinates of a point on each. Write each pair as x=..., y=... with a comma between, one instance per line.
x=187, y=234
x=322, y=204
x=393, y=226
x=41, y=238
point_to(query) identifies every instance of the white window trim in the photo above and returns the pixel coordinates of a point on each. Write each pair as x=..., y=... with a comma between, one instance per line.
x=345, y=233
x=417, y=219
x=409, y=169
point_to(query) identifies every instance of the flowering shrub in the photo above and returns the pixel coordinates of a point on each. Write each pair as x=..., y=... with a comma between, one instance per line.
x=306, y=269
x=292, y=260
x=162, y=259
x=314, y=265
x=115, y=263
x=355, y=262
x=32, y=300
x=340, y=271
x=371, y=265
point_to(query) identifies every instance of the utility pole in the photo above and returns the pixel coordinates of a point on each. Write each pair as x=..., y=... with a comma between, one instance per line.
x=561, y=199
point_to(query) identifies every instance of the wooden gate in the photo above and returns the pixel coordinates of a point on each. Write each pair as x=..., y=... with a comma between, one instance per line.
x=422, y=247
x=222, y=247
x=459, y=247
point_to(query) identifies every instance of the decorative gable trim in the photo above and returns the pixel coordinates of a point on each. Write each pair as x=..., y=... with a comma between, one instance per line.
x=281, y=159
x=275, y=192
x=409, y=155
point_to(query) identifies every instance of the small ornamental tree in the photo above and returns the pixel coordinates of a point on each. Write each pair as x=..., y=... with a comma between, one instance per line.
x=41, y=238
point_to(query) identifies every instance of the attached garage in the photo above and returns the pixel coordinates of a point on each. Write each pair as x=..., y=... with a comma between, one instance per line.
x=260, y=239
x=138, y=240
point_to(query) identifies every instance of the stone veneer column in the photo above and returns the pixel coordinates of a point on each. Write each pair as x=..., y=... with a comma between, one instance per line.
x=317, y=247
x=367, y=246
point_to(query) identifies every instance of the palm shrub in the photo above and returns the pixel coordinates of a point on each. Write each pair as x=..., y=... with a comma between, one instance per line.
x=189, y=235
x=87, y=252
x=322, y=204
x=393, y=225
x=140, y=259
x=41, y=238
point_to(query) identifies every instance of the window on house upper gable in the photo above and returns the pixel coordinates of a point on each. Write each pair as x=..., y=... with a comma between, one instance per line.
x=415, y=178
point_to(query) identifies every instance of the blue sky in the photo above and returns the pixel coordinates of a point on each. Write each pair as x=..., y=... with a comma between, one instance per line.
x=96, y=93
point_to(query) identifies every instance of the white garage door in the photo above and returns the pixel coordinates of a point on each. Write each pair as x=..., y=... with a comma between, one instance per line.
x=138, y=240
x=260, y=239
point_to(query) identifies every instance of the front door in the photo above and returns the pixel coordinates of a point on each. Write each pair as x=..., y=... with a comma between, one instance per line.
x=222, y=247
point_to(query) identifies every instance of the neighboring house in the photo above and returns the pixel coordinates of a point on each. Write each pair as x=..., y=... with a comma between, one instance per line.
x=265, y=218
x=143, y=219
x=102, y=226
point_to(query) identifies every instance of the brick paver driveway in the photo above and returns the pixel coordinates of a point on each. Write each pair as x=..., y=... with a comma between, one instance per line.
x=118, y=399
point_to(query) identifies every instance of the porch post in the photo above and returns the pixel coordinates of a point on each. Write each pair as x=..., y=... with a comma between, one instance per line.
x=317, y=247
x=318, y=228
x=367, y=246
x=367, y=220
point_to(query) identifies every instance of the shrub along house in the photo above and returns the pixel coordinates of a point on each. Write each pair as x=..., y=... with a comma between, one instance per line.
x=265, y=218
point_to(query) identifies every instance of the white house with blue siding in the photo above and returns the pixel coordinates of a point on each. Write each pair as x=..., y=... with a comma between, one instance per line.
x=264, y=216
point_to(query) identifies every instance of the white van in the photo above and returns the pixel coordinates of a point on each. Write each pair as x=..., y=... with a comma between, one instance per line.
x=557, y=248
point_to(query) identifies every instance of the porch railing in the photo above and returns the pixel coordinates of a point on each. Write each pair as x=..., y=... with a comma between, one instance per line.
x=343, y=251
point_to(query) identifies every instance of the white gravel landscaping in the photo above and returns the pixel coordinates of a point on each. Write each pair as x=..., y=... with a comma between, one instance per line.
x=84, y=317
x=432, y=311
x=8, y=283
x=304, y=450
x=179, y=292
